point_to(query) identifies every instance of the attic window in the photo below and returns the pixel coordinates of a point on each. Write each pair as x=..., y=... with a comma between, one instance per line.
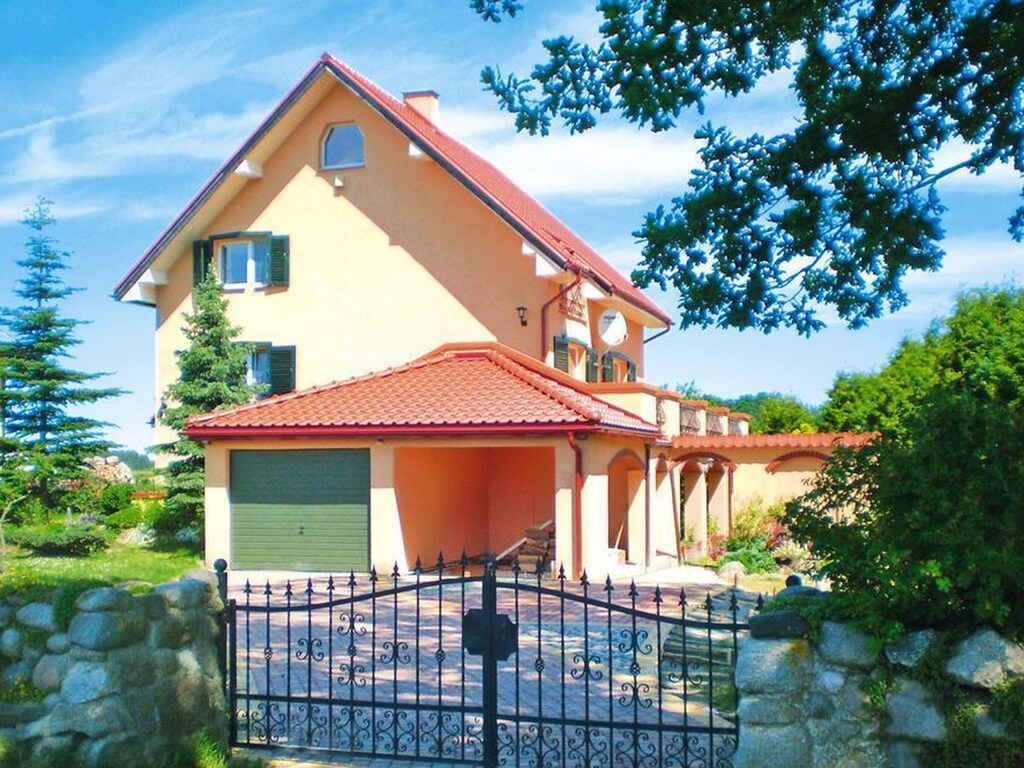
x=342, y=148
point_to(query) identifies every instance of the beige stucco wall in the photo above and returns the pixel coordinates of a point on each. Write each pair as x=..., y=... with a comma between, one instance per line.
x=392, y=528
x=397, y=262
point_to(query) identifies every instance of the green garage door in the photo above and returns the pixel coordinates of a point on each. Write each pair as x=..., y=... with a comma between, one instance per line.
x=301, y=510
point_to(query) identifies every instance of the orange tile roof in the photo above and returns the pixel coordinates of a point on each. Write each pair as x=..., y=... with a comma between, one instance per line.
x=503, y=196
x=488, y=390
x=805, y=440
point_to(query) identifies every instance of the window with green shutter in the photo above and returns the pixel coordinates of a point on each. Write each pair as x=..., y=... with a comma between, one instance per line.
x=561, y=348
x=202, y=260
x=592, y=365
x=615, y=366
x=608, y=368
x=282, y=370
x=278, y=257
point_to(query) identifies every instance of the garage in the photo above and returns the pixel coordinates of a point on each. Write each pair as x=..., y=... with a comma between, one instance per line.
x=306, y=510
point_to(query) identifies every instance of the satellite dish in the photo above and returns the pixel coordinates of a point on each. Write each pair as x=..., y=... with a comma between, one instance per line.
x=612, y=327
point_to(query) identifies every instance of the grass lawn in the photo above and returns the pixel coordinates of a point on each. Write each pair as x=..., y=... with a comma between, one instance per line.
x=31, y=577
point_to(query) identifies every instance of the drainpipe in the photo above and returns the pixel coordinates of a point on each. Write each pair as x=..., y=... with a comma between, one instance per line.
x=729, y=505
x=577, y=510
x=647, y=506
x=658, y=335
x=544, y=316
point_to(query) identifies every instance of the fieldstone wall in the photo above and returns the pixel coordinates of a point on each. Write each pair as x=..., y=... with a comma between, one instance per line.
x=133, y=676
x=836, y=703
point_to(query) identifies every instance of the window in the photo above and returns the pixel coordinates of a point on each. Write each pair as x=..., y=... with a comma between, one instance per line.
x=342, y=148
x=243, y=259
x=575, y=358
x=272, y=368
x=615, y=366
x=245, y=262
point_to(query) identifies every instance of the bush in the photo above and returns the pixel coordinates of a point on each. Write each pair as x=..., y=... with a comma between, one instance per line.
x=923, y=527
x=756, y=520
x=129, y=517
x=73, y=540
x=754, y=555
x=115, y=497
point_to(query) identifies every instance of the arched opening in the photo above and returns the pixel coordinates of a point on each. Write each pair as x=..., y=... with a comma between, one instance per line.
x=626, y=536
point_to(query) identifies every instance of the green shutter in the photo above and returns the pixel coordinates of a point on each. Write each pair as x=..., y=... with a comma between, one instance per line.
x=561, y=347
x=300, y=509
x=279, y=271
x=282, y=370
x=608, y=368
x=202, y=260
x=630, y=370
x=592, y=368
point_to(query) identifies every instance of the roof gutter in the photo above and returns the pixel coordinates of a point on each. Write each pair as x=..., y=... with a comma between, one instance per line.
x=200, y=432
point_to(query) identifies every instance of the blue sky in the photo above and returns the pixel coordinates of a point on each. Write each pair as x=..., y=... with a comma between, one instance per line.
x=118, y=111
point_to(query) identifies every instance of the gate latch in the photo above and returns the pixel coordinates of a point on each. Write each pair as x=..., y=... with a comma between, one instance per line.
x=476, y=633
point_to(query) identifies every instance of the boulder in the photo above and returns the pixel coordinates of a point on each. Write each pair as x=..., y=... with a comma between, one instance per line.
x=801, y=591
x=773, y=666
x=104, y=631
x=768, y=710
x=58, y=643
x=732, y=571
x=49, y=673
x=37, y=616
x=913, y=714
x=185, y=594
x=10, y=643
x=910, y=649
x=774, y=746
x=104, y=599
x=86, y=681
x=845, y=646
x=93, y=718
x=778, y=624
x=985, y=660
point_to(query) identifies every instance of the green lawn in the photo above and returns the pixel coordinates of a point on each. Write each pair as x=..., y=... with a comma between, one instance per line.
x=31, y=577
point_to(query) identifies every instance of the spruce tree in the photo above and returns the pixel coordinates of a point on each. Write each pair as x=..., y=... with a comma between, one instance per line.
x=39, y=390
x=212, y=373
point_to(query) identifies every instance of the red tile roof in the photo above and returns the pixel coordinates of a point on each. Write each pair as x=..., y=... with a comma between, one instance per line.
x=488, y=390
x=510, y=202
x=808, y=440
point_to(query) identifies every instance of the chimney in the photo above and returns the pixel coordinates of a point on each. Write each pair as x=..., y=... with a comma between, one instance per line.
x=424, y=102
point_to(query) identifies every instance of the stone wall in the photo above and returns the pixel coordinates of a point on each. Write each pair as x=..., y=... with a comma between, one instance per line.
x=130, y=679
x=835, y=702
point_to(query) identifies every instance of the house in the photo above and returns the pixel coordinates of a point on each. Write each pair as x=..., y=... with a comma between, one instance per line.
x=449, y=365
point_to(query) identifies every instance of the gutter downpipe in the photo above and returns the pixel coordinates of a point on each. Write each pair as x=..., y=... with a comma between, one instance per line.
x=658, y=335
x=577, y=509
x=544, y=316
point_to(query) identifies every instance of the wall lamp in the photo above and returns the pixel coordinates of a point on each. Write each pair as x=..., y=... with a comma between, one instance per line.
x=521, y=311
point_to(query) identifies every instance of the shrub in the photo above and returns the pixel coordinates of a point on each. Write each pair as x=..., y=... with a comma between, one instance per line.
x=115, y=497
x=923, y=527
x=129, y=517
x=73, y=540
x=754, y=555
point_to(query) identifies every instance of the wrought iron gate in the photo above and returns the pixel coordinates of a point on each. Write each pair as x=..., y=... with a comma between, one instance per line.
x=489, y=669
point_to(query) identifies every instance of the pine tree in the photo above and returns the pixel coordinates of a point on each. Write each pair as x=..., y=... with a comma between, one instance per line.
x=212, y=374
x=39, y=390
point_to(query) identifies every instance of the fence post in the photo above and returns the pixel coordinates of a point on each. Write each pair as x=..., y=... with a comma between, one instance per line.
x=220, y=567
x=489, y=603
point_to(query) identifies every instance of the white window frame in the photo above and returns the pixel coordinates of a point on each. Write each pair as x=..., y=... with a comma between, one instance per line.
x=250, y=373
x=323, y=148
x=250, y=263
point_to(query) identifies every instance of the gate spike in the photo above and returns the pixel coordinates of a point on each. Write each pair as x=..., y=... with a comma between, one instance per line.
x=440, y=561
x=657, y=595
x=267, y=590
x=395, y=573
x=516, y=568
x=682, y=598
x=760, y=602
x=561, y=574
x=351, y=578
x=632, y=589
x=419, y=566
x=373, y=574
x=330, y=584
x=309, y=587
x=584, y=579
x=464, y=559
x=608, y=584
x=247, y=589
x=288, y=588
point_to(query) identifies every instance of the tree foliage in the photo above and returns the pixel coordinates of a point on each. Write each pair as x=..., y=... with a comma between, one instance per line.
x=40, y=392
x=836, y=211
x=923, y=527
x=879, y=402
x=212, y=373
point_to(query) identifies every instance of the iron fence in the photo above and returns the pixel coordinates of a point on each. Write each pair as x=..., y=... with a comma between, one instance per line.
x=486, y=668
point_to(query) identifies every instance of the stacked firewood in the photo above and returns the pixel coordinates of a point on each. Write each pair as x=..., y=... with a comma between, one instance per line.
x=538, y=550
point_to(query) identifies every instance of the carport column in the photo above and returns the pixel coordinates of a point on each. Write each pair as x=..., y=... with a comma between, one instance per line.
x=217, y=513
x=695, y=505
x=718, y=499
x=636, y=545
x=386, y=543
x=594, y=533
x=565, y=488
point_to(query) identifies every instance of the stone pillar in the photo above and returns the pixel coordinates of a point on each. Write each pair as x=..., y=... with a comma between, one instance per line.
x=695, y=507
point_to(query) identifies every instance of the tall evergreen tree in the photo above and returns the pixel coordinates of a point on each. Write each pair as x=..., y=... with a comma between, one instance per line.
x=40, y=391
x=212, y=373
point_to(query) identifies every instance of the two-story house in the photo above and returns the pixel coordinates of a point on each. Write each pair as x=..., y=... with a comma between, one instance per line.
x=449, y=364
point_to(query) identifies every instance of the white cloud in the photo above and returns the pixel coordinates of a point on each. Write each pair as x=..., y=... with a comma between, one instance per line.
x=998, y=178
x=13, y=207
